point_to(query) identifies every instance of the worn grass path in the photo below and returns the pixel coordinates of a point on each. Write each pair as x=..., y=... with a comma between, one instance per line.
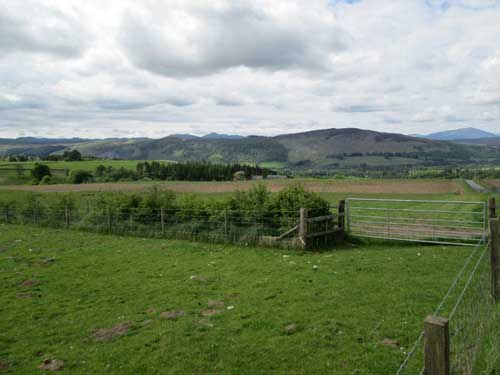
x=58, y=287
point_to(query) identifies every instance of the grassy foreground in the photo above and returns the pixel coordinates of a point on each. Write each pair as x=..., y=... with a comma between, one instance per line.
x=60, y=292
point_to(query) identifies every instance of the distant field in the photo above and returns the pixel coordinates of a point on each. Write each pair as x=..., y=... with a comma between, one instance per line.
x=321, y=186
x=106, y=304
x=89, y=165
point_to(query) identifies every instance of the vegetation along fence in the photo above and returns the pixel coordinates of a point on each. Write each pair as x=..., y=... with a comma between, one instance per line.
x=293, y=229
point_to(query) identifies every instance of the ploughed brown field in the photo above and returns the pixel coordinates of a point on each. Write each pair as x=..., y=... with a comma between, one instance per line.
x=493, y=182
x=321, y=186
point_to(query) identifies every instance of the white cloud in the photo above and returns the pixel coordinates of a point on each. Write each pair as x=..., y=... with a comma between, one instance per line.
x=153, y=67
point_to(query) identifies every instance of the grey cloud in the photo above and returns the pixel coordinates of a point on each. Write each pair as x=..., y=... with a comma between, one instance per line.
x=235, y=36
x=356, y=108
x=46, y=31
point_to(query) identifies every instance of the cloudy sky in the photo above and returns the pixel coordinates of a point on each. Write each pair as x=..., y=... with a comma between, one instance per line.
x=156, y=67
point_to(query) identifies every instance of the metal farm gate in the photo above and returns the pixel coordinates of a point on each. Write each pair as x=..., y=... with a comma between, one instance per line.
x=441, y=222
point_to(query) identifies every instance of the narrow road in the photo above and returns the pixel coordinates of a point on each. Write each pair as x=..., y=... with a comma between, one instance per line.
x=476, y=187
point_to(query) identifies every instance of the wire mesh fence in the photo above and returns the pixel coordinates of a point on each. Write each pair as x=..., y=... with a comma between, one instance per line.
x=268, y=228
x=473, y=317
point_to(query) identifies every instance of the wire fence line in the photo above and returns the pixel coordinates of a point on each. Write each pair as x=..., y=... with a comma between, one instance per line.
x=258, y=227
x=474, y=346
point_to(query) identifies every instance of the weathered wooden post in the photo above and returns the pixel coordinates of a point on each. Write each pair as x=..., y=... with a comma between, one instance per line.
x=494, y=255
x=162, y=220
x=436, y=346
x=342, y=215
x=492, y=207
x=303, y=227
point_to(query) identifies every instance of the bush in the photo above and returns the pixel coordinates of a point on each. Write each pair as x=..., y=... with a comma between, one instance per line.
x=80, y=177
x=40, y=171
x=47, y=180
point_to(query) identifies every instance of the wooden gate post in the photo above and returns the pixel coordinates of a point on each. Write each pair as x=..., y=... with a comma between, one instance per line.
x=303, y=227
x=436, y=346
x=492, y=207
x=494, y=255
x=342, y=215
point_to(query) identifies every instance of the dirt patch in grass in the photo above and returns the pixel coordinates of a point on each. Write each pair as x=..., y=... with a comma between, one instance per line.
x=390, y=342
x=106, y=334
x=215, y=304
x=172, y=315
x=210, y=312
x=290, y=329
x=51, y=365
x=29, y=283
x=328, y=186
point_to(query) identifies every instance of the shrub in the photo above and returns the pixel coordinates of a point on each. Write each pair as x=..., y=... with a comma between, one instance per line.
x=47, y=180
x=40, y=171
x=80, y=177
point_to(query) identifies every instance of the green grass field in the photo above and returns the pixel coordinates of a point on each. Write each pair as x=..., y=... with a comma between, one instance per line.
x=59, y=287
x=9, y=175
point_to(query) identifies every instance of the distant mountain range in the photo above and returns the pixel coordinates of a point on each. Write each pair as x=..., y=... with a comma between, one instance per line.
x=459, y=134
x=319, y=150
x=208, y=136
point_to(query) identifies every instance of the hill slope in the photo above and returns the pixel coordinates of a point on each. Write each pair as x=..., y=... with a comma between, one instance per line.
x=314, y=150
x=464, y=133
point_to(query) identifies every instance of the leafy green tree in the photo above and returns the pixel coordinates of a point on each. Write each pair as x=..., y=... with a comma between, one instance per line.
x=40, y=171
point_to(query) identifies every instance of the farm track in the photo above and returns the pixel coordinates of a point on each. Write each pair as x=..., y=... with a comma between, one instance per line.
x=341, y=186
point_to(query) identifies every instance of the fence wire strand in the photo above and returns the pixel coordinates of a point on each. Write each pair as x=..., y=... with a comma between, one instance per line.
x=470, y=316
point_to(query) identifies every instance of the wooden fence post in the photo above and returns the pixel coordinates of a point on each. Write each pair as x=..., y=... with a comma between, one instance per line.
x=342, y=215
x=303, y=227
x=436, y=346
x=494, y=255
x=162, y=220
x=492, y=207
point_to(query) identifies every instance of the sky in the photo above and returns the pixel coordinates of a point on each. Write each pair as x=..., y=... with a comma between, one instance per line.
x=152, y=68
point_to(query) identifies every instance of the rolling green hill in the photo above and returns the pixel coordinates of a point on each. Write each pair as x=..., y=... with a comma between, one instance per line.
x=314, y=150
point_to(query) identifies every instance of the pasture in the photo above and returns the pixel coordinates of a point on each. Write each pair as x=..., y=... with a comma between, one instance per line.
x=19, y=173
x=106, y=304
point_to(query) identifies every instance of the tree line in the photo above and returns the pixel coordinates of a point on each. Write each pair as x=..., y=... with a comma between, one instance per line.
x=199, y=171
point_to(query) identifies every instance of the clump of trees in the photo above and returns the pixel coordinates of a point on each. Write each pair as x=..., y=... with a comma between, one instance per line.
x=68, y=155
x=197, y=171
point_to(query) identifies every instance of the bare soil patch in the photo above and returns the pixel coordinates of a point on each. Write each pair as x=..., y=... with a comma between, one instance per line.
x=172, y=315
x=290, y=329
x=106, y=334
x=390, y=342
x=51, y=365
x=210, y=312
x=215, y=304
x=29, y=283
x=327, y=186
